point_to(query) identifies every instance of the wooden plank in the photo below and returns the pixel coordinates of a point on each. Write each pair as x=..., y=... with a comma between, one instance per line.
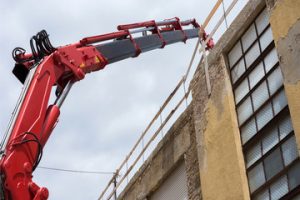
x=231, y=6
x=211, y=14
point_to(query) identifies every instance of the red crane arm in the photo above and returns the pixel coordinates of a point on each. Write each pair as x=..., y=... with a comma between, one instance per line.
x=48, y=67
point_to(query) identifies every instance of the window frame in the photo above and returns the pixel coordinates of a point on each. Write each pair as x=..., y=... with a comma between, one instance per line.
x=277, y=117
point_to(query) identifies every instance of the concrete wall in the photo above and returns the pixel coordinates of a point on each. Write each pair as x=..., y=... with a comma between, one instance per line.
x=178, y=145
x=222, y=169
x=221, y=161
x=285, y=24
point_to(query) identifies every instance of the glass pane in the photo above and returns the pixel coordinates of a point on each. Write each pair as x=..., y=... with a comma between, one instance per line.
x=249, y=37
x=256, y=177
x=260, y=95
x=253, y=154
x=266, y=39
x=273, y=164
x=238, y=71
x=285, y=127
x=279, y=188
x=271, y=59
x=275, y=80
x=264, y=195
x=262, y=21
x=279, y=101
x=241, y=91
x=252, y=54
x=248, y=130
x=244, y=111
x=289, y=150
x=235, y=54
x=270, y=139
x=264, y=116
x=256, y=75
x=294, y=176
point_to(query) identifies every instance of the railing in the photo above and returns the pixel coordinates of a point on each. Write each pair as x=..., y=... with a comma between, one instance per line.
x=149, y=137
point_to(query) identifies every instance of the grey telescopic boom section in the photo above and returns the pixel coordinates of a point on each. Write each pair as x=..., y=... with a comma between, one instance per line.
x=121, y=49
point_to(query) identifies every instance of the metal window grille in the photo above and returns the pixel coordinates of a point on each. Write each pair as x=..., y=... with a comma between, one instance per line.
x=269, y=145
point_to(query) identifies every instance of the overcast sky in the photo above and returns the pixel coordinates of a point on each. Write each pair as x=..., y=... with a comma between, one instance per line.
x=105, y=113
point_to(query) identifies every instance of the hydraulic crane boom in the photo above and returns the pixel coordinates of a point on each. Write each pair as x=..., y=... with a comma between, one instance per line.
x=47, y=67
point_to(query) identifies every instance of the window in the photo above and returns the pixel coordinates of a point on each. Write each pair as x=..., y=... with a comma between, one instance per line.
x=174, y=187
x=269, y=144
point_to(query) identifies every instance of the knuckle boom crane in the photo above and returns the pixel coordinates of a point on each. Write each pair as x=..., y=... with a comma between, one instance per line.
x=47, y=67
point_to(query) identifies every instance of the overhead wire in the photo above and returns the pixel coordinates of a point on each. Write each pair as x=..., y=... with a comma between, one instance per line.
x=74, y=171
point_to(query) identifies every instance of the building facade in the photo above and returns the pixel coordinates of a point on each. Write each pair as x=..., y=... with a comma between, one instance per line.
x=242, y=140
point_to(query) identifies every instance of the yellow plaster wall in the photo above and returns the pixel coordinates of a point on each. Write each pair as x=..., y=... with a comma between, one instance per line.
x=283, y=16
x=293, y=95
x=285, y=20
x=222, y=171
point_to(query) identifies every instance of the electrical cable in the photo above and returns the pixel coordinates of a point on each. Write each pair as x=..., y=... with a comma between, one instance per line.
x=75, y=171
x=40, y=154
